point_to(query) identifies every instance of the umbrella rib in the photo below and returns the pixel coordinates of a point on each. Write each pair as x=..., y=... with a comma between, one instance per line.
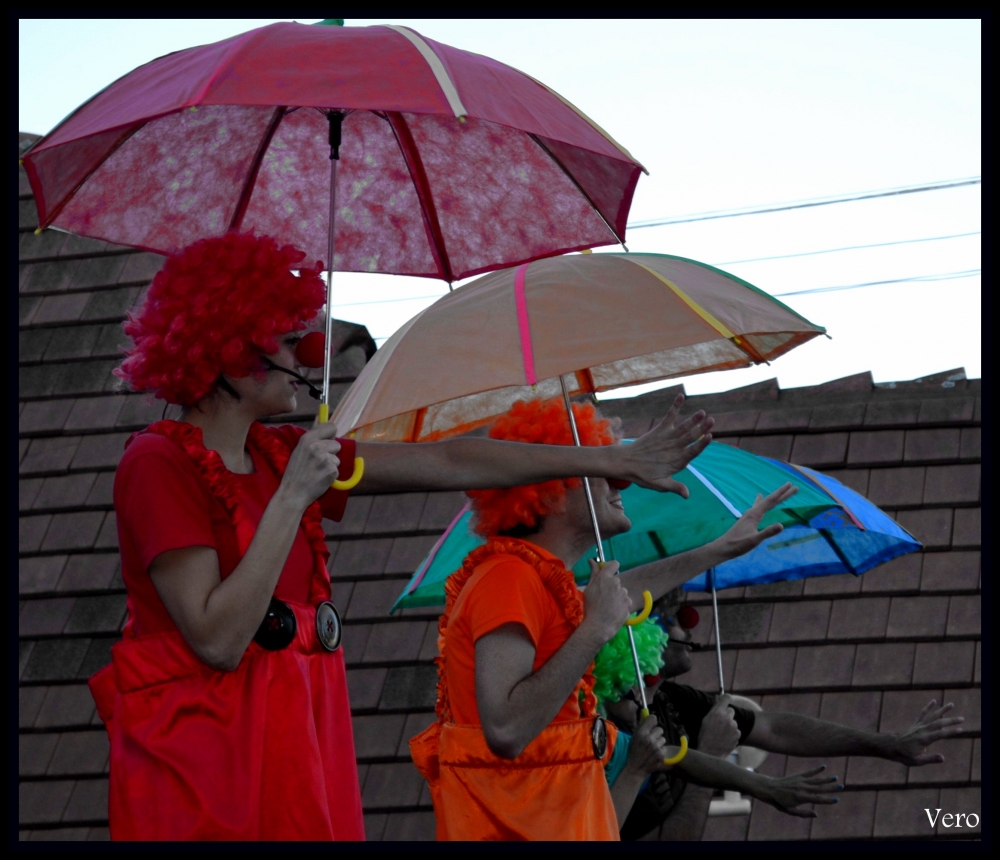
x=122, y=138
x=407, y=146
x=579, y=187
x=586, y=119
x=740, y=342
x=715, y=491
x=434, y=62
x=248, y=185
x=822, y=488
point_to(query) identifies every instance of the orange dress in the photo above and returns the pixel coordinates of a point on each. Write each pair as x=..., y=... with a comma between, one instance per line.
x=556, y=788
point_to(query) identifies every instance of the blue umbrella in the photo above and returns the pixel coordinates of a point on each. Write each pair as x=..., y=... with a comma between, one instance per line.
x=852, y=537
x=828, y=529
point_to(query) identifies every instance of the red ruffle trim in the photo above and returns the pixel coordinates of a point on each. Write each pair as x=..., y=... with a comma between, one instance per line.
x=225, y=488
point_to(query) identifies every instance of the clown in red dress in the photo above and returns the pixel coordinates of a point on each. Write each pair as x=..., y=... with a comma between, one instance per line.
x=226, y=702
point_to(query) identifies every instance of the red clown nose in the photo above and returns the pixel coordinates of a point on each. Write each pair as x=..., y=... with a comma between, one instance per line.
x=311, y=350
x=687, y=617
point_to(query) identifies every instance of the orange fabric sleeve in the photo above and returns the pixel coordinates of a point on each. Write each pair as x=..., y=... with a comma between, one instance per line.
x=509, y=593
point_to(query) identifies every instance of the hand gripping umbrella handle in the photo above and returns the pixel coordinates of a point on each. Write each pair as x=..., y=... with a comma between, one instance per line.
x=359, y=462
x=647, y=607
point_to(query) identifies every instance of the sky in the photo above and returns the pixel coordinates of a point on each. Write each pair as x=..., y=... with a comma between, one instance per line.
x=725, y=115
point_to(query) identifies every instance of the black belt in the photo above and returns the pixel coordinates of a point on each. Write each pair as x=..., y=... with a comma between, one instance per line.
x=279, y=626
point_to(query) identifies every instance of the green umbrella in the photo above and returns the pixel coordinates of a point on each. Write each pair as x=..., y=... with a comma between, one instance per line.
x=720, y=479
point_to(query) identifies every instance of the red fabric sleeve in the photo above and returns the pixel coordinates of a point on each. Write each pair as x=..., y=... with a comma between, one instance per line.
x=333, y=502
x=510, y=592
x=160, y=499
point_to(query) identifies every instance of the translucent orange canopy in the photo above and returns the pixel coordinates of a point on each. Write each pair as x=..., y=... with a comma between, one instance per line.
x=601, y=320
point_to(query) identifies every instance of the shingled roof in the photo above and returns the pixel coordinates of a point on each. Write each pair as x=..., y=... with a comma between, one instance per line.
x=868, y=651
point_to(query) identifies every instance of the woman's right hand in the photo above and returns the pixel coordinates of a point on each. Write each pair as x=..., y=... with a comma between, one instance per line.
x=313, y=466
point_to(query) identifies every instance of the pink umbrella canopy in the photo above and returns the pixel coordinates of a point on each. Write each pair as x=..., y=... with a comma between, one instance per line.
x=451, y=164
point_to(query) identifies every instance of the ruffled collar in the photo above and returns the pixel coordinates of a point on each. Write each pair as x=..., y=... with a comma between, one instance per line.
x=224, y=485
x=556, y=578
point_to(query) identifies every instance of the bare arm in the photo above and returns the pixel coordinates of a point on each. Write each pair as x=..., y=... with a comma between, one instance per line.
x=474, y=463
x=645, y=755
x=794, y=734
x=718, y=736
x=661, y=576
x=785, y=793
x=514, y=704
x=688, y=817
x=218, y=618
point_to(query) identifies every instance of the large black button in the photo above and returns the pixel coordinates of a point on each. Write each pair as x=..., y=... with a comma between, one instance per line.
x=277, y=630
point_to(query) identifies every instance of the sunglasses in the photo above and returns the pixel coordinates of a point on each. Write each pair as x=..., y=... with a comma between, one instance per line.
x=618, y=483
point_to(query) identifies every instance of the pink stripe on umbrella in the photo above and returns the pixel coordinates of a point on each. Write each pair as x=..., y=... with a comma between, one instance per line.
x=524, y=326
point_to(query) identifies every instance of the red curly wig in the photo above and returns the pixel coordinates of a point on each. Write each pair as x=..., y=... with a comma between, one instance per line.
x=542, y=422
x=213, y=309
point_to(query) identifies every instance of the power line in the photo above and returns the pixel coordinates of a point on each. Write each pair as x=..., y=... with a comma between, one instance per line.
x=806, y=204
x=943, y=276
x=849, y=248
x=723, y=263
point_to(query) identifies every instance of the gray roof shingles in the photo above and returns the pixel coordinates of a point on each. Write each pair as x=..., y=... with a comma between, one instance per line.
x=867, y=652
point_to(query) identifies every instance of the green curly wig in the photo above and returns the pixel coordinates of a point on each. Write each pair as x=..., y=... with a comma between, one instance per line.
x=614, y=670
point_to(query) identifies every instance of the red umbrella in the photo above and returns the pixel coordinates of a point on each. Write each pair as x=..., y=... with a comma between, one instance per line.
x=451, y=164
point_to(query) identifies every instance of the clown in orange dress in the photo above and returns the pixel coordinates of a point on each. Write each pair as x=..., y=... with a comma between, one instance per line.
x=518, y=750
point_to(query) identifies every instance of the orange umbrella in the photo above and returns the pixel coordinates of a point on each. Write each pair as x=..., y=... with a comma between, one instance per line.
x=590, y=322
x=581, y=323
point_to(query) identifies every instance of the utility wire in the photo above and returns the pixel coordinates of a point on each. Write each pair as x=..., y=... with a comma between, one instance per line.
x=724, y=263
x=805, y=204
x=943, y=276
x=849, y=248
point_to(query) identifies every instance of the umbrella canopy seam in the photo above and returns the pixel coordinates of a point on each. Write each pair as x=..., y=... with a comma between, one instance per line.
x=583, y=116
x=704, y=314
x=437, y=69
x=715, y=491
x=414, y=163
x=524, y=325
x=740, y=280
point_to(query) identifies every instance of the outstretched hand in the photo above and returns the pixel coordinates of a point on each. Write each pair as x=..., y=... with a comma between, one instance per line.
x=745, y=534
x=910, y=746
x=655, y=457
x=788, y=793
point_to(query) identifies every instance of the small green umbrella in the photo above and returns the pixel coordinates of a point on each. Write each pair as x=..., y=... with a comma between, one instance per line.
x=720, y=478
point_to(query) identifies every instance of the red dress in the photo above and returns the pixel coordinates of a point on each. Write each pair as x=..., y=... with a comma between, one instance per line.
x=265, y=752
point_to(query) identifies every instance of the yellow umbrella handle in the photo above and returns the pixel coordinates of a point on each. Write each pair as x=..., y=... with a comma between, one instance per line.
x=676, y=759
x=647, y=607
x=359, y=462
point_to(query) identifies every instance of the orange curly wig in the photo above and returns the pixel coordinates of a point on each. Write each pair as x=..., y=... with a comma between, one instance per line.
x=542, y=422
x=213, y=309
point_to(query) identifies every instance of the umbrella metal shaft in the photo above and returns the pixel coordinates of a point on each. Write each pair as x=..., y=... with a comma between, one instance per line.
x=336, y=120
x=718, y=641
x=597, y=537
